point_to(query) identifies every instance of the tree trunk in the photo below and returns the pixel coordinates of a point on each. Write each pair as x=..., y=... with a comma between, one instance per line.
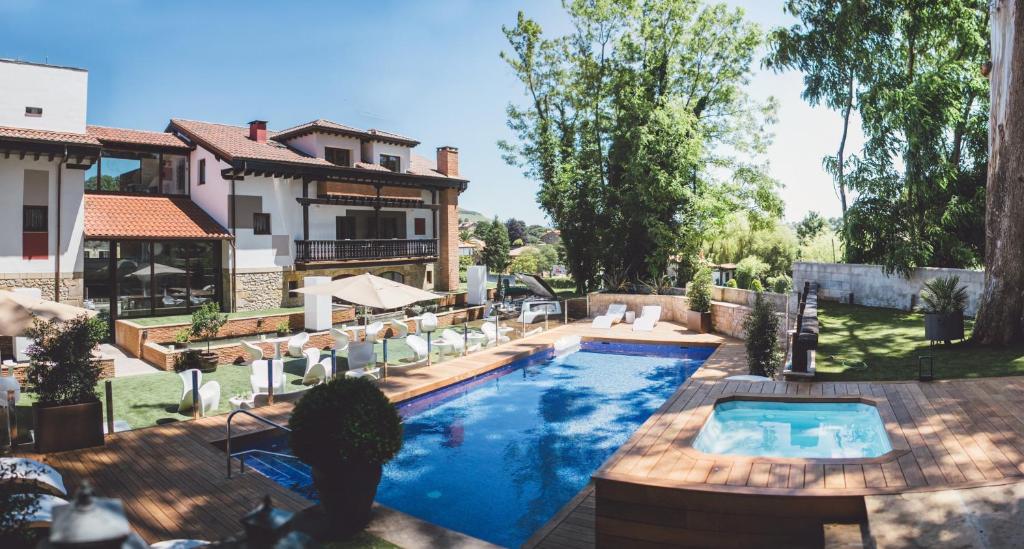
x=1001, y=317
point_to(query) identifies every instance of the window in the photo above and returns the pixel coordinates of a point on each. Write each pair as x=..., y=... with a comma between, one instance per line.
x=420, y=226
x=34, y=112
x=202, y=171
x=345, y=227
x=430, y=276
x=138, y=172
x=391, y=162
x=173, y=174
x=260, y=223
x=393, y=275
x=34, y=219
x=340, y=157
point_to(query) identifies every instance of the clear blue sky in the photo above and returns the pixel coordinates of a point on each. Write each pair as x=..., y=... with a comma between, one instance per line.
x=429, y=70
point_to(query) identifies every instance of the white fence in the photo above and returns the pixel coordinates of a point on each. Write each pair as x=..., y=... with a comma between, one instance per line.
x=869, y=285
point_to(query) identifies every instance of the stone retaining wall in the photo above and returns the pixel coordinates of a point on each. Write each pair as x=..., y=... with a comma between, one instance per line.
x=870, y=286
x=106, y=370
x=71, y=287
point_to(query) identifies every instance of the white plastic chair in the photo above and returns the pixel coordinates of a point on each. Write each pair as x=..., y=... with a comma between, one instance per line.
x=296, y=343
x=419, y=350
x=209, y=399
x=312, y=374
x=492, y=334
x=649, y=317
x=372, y=330
x=258, y=376
x=186, y=381
x=457, y=340
x=252, y=353
x=341, y=339
x=399, y=328
x=614, y=315
x=362, y=360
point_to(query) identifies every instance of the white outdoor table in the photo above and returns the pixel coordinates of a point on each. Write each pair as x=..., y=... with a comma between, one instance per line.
x=276, y=342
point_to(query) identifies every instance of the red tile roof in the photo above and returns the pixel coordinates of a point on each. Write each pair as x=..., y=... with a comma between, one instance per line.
x=122, y=136
x=234, y=143
x=420, y=165
x=120, y=216
x=328, y=126
x=45, y=136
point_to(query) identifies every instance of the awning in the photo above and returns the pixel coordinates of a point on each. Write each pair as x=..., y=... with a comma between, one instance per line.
x=148, y=217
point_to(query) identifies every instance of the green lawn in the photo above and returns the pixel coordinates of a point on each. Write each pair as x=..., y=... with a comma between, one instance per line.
x=863, y=344
x=179, y=319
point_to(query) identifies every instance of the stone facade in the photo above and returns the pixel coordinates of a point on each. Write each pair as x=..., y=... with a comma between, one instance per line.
x=20, y=370
x=259, y=290
x=71, y=287
x=869, y=285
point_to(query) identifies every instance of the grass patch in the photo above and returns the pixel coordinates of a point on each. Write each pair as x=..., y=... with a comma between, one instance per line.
x=869, y=344
x=187, y=319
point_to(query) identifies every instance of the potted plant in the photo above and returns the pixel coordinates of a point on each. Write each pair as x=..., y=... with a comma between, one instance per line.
x=348, y=452
x=67, y=413
x=206, y=322
x=943, y=301
x=283, y=328
x=181, y=338
x=698, y=318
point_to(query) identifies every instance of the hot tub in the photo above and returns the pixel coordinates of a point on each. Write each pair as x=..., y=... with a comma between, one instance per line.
x=786, y=429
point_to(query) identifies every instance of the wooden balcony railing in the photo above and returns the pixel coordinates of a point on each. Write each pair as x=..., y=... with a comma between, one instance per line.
x=346, y=250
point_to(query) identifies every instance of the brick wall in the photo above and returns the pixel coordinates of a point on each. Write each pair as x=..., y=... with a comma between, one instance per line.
x=448, y=254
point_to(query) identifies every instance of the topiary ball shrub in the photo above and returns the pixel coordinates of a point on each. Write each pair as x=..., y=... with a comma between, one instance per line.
x=345, y=422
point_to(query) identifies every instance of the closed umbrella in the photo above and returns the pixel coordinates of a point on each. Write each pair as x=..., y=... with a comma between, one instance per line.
x=370, y=291
x=18, y=312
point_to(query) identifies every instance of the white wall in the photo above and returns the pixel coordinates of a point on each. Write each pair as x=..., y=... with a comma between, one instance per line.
x=870, y=285
x=373, y=149
x=314, y=144
x=60, y=92
x=12, y=178
x=213, y=196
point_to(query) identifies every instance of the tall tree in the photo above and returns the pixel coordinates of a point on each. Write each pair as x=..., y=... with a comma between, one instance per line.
x=1001, y=317
x=625, y=125
x=516, y=229
x=496, y=248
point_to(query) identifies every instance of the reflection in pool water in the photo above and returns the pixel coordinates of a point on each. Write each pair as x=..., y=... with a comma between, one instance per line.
x=498, y=456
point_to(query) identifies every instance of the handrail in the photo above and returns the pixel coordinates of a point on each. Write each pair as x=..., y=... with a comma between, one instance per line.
x=227, y=443
x=241, y=457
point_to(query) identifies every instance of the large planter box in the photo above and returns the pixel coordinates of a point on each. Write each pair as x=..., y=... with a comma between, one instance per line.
x=68, y=427
x=698, y=322
x=944, y=326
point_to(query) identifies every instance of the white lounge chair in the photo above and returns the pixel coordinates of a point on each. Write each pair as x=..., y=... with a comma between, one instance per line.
x=372, y=330
x=313, y=374
x=649, y=317
x=32, y=474
x=186, y=380
x=209, y=399
x=296, y=343
x=341, y=339
x=419, y=350
x=400, y=329
x=252, y=353
x=258, y=376
x=614, y=315
x=362, y=360
x=494, y=335
x=456, y=339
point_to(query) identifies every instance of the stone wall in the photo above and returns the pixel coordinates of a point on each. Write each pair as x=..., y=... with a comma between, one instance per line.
x=259, y=290
x=870, y=286
x=106, y=370
x=71, y=287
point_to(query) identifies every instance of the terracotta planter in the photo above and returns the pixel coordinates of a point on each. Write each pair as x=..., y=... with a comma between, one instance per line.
x=944, y=326
x=346, y=495
x=68, y=426
x=698, y=322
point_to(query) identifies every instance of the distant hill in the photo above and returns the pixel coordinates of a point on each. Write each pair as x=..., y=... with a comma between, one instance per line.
x=470, y=215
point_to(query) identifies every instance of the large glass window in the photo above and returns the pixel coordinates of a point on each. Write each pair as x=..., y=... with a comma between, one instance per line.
x=134, y=277
x=98, y=284
x=204, y=273
x=169, y=275
x=136, y=172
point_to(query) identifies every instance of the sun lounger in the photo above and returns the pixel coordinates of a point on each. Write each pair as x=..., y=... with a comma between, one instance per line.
x=649, y=317
x=613, y=315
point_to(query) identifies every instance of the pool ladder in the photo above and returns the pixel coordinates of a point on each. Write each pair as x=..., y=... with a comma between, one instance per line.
x=241, y=455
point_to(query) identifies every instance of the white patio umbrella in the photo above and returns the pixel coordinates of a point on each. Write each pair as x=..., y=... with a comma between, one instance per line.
x=18, y=311
x=158, y=268
x=370, y=291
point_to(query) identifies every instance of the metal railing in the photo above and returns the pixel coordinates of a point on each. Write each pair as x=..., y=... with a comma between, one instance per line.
x=227, y=442
x=241, y=458
x=343, y=250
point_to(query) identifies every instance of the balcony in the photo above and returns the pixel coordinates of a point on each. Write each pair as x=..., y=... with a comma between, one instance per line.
x=310, y=251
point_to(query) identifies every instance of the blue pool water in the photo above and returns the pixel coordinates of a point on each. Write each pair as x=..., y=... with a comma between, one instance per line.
x=497, y=456
x=794, y=429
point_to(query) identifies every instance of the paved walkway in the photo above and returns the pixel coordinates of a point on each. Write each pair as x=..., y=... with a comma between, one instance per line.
x=125, y=365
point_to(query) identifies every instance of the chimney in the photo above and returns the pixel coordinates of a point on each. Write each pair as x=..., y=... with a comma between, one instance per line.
x=448, y=161
x=258, y=131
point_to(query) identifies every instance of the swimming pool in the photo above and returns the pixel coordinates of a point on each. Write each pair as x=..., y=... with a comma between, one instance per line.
x=497, y=456
x=794, y=430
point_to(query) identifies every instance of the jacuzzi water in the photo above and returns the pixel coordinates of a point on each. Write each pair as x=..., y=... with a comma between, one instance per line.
x=794, y=429
x=496, y=457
